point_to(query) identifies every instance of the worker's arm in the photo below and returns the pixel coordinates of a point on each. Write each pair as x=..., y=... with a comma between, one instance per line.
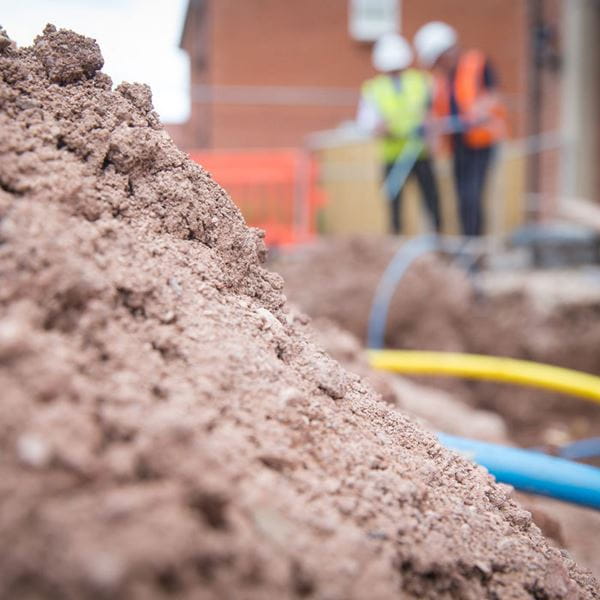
x=368, y=118
x=484, y=108
x=489, y=96
x=435, y=129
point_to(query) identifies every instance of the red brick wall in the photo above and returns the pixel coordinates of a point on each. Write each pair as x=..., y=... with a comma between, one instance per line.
x=270, y=42
x=272, y=126
x=199, y=44
x=306, y=43
x=180, y=133
x=274, y=43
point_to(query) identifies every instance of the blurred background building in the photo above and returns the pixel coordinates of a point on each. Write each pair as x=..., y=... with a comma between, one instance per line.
x=269, y=74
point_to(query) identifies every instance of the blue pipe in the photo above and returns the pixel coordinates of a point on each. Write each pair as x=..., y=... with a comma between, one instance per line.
x=402, y=260
x=587, y=448
x=533, y=472
x=400, y=263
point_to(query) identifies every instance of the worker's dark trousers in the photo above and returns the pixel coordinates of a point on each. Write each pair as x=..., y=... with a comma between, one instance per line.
x=423, y=171
x=471, y=166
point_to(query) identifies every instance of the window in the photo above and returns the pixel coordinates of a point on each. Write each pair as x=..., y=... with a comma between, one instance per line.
x=369, y=19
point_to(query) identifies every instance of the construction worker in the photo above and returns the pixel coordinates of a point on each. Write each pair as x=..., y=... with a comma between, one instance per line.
x=394, y=107
x=465, y=103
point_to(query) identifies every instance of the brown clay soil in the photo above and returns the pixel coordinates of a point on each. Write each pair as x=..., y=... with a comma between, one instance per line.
x=567, y=525
x=436, y=308
x=167, y=429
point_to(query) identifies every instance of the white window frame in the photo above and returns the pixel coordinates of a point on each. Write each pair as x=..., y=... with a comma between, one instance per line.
x=370, y=19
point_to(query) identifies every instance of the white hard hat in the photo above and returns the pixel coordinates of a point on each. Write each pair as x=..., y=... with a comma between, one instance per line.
x=432, y=40
x=391, y=53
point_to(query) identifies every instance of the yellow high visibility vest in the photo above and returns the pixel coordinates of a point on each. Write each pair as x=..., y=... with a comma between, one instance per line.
x=403, y=108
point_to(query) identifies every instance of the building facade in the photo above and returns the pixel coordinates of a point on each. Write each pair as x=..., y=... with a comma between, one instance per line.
x=267, y=73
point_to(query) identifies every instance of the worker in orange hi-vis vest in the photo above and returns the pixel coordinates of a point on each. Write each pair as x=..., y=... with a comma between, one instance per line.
x=467, y=107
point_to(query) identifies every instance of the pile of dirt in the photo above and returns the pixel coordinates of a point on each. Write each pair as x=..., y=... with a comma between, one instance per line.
x=438, y=410
x=166, y=427
x=436, y=307
x=433, y=408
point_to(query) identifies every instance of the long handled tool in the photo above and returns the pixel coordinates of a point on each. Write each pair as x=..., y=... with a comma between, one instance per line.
x=414, y=147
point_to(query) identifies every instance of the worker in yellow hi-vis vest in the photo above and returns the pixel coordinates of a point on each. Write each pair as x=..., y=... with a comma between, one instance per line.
x=394, y=106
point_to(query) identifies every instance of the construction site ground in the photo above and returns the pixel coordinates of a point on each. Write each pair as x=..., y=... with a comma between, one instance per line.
x=548, y=316
x=540, y=316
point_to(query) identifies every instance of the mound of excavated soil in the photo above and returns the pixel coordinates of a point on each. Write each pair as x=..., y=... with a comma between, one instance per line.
x=567, y=524
x=435, y=408
x=436, y=308
x=166, y=427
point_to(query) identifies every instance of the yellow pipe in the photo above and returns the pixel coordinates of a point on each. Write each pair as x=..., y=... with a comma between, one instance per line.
x=494, y=368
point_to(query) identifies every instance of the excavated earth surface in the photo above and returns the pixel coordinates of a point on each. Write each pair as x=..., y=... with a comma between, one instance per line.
x=568, y=525
x=167, y=429
x=436, y=307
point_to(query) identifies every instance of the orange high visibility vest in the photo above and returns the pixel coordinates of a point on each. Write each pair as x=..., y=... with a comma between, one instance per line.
x=467, y=89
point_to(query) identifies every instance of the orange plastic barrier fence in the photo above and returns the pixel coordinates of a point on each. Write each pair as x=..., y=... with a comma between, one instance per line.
x=276, y=190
